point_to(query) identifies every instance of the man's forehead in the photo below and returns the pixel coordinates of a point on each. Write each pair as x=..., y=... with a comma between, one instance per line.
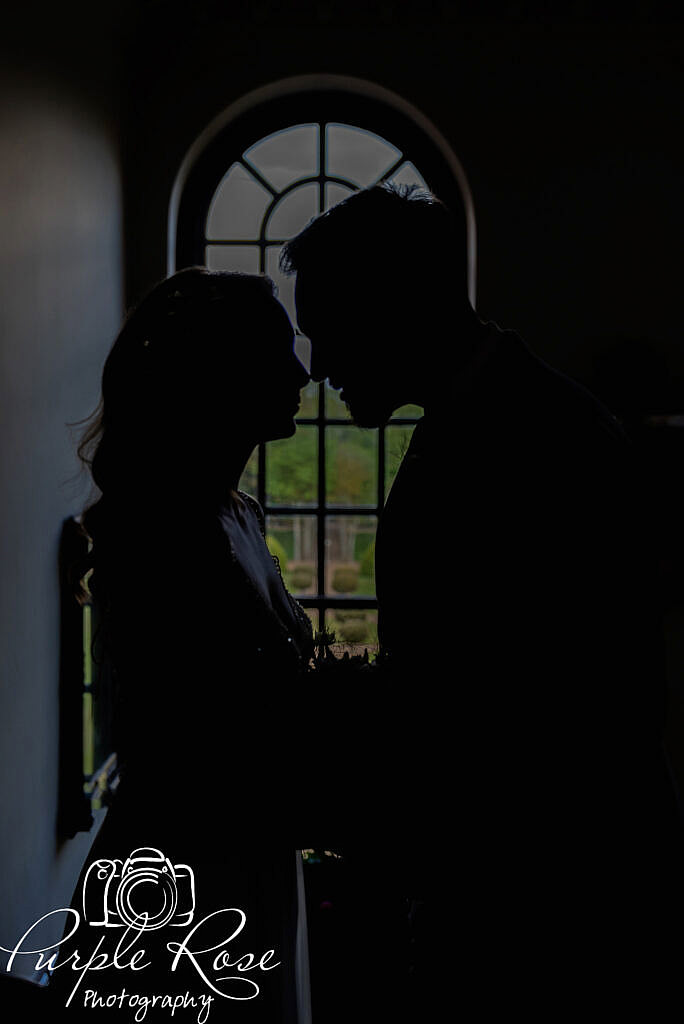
x=309, y=283
x=313, y=293
x=318, y=289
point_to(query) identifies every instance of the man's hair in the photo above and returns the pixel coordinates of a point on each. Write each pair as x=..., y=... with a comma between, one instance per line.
x=385, y=228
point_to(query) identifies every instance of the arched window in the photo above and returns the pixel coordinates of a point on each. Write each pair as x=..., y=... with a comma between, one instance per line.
x=256, y=178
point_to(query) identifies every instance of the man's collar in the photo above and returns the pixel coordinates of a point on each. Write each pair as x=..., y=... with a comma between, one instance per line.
x=494, y=352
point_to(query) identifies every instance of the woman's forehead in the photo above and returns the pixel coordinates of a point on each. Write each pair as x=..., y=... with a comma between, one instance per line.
x=273, y=324
x=278, y=316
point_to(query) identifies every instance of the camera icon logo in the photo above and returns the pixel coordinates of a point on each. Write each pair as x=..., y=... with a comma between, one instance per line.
x=144, y=892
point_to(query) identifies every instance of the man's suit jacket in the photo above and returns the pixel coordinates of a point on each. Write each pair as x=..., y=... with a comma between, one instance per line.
x=518, y=604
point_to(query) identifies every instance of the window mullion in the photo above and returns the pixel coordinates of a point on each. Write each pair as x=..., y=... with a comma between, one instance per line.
x=395, y=167
x=249, y=166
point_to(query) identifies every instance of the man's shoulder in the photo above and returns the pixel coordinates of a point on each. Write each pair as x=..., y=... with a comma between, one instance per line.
x=542, y=399
x=573, y=409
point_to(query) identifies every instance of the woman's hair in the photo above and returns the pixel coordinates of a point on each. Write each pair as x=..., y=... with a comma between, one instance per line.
x=162, y=366
x=163, y=384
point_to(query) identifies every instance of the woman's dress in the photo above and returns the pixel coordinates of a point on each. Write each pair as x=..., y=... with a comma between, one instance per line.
x=210, y=652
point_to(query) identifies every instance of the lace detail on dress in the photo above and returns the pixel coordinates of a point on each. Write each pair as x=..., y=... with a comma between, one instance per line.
x=304, y=642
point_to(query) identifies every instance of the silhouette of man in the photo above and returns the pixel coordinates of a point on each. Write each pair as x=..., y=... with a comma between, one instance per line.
x=518, y=611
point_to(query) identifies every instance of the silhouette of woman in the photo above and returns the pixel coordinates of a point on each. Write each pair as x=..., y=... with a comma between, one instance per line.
x=207, y=646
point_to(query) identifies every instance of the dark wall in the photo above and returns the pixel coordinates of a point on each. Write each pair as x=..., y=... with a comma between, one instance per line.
x=61, y=302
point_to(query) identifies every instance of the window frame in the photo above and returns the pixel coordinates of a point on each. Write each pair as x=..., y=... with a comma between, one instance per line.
x=356, y=103
x=88, y=762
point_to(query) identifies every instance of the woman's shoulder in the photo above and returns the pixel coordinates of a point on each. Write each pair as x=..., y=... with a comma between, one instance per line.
x=255, y=507
x=238, y=505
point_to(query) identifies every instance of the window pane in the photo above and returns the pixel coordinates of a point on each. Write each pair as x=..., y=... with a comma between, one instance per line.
x=350, y=555
x=238, y=206
x=293, y=540
x=351, y=466
x=396, y=443
x=244, y=258
x=250, y=475
x=408, y=175
x=309, y=404
x=335, y=409
x=315, y=618
x=291, y=469
x=286, y=155
x=302, y=347
x=356, y=630
x=357, y=155
x=335, y=194
x=88, y=734
x=293, y=212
